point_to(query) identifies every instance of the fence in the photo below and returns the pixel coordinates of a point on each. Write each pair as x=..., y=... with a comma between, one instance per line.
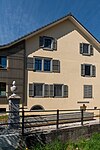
x=44, y=119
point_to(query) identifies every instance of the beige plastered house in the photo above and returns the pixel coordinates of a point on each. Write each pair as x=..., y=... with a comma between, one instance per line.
x=59, y=67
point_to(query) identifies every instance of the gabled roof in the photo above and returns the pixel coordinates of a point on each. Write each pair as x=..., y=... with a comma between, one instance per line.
x=70, y=17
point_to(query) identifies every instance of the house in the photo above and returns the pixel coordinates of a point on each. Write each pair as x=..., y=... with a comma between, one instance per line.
x=55, y=67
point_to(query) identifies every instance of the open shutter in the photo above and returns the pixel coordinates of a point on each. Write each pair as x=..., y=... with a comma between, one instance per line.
x=56, y=66
x=93, y=71
x=81, y=48
x=55, y=44
x=51, y=91
x=82, y=69
x=41, y=43
x=46, y=90
x=65, y=91
x=30, y=63
x=31, y=90
x=91, y=50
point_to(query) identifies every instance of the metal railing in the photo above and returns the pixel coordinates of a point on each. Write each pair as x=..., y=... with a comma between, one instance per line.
x=44, y=119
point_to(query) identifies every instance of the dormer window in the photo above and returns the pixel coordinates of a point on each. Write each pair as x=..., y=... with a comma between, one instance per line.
x=3, y=62
x=86, y=49
x=47, y=43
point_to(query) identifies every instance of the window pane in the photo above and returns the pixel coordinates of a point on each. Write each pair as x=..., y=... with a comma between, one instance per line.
x=38, y=64
x=47, y=42
x=47, y=64
x=86, y=48
x=2, y=89
x=88, y=70
x=57, y=90
x=3, y=61
x=38, y=89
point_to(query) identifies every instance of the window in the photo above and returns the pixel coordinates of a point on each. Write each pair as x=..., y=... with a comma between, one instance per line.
x=38, y=64
x=2, y=89
x=58, y=90
x=43, y=64
x=48, y=43
x=86, y=49
x=87, y=91
x=47, y=90
x=3, y=62
x=38, y=90
x=88, y=70
x=47, y=65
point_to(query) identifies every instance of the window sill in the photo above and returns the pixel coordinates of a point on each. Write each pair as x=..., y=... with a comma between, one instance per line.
x=47, y=49
x=3, y=68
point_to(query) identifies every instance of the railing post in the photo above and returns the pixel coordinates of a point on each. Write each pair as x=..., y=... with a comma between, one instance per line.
x=82, y=116
x=57, y=123
x=22, y=121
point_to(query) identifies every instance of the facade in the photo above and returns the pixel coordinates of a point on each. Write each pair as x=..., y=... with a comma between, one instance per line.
x=55, y=67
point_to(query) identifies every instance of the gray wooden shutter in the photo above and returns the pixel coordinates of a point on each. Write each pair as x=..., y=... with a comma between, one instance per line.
x=91, y=50
x=31, y=90
x=51, y=94
x=30, y=63
x=81, y=48
x=46, y=90
x=65, y=91
x=87, y=91
x=93, y=71
x=41, y=41
x=82, y=69
x=56, y=66
x=55, y=44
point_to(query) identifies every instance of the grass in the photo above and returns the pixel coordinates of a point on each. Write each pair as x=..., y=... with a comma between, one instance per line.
x=4, y=118
x=84, y=144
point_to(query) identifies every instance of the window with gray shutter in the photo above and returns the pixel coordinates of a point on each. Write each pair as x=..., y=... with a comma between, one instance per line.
x=88, y=70
x=65, y=90
x=82, y=69
x=93, y=71
x=30, y=63
x=91, y=49
x=51, y=94
x=47, y=43
x=87, y=91
x=55, y=44
x=86, y=49
x=81, y=48
x=31, y=90
x=46, y=90
x=56, y=66
x=41, y=43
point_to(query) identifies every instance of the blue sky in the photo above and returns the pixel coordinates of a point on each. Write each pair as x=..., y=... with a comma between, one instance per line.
x=20, y=17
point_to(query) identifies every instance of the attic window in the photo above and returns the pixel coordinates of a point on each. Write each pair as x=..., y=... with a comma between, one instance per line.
x=48, y=43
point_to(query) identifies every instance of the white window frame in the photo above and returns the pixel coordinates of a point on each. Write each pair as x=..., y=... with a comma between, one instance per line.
x=52, y=40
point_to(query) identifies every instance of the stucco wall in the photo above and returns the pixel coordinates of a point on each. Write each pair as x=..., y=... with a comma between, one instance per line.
x=68, y=52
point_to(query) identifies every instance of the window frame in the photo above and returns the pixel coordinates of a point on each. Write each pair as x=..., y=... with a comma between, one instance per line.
x=88, y=86
x=90, y=49
x=61, y=90
x=92, y=70
x=3, y=90
x=38, y=96
x=1, y=65
x=48, y=38
x=42, y=67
